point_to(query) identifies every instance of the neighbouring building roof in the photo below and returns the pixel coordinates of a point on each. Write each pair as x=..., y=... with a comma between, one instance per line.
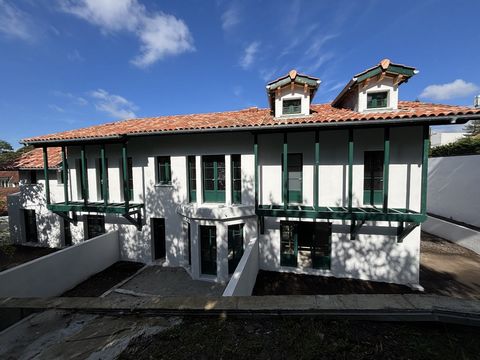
x=12, y=175
x=252, y=118
x=33, y=159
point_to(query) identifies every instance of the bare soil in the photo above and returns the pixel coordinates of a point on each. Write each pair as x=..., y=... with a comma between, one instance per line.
x=19, y=254
x=305, y=338
x=97, y=284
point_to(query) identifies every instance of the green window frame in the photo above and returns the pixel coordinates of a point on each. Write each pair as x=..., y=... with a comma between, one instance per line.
x=292, y=106
x=235, y=246
x=192, y=178
x=80, y=179
x=236, y=179
x=377, y=100
x=208, y=250
x=213, y=178
x=373, y=178
x=288, y=243
x=101, y=182
x=295, y=178
x=164, y=170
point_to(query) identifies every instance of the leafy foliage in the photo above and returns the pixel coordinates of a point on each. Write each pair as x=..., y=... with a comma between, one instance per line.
x=5, y=146
x=467, y=146
x=8, y=158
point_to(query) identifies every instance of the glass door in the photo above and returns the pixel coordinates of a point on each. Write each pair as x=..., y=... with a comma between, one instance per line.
x=288, y=243
x=208, y=250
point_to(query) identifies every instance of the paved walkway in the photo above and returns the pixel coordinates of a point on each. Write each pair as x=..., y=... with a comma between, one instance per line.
x=166, y=281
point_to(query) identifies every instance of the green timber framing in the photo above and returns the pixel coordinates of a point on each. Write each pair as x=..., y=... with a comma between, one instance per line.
x=407, y=218
x=129, y=210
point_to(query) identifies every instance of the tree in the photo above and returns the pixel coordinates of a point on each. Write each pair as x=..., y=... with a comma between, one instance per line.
x=5, y=146
x=8, y=158
x=472, y=128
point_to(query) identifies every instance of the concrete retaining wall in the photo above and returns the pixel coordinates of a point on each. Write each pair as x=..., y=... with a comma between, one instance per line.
x=53, y=274
x=453, y=190
x=245, y=275
x=458, y=234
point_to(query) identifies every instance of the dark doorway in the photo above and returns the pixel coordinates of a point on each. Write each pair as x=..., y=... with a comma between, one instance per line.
x=67, y=233
x=235, y=246
x=95, y=226
x=31, y=234
x=208, y=250
x=158, y=238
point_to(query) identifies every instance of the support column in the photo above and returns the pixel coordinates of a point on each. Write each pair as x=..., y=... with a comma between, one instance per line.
x=126, y=194
x=84, y=175
x=104, y=182
x=386, y=167
x=285, y=172
x=315, y=170
x=45, y=172
x=425, y=150
x=350, y=169
x=65, y=174
x=255, y=153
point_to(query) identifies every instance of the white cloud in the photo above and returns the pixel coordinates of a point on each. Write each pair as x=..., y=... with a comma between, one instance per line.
x=230, y=18
x=56, y=108
x=456, y=89
x=160, y=34
x=114, y=105
x=15, y=23
x=77, y=100
x=75, y=56
x=249, y=54
x=318, y=62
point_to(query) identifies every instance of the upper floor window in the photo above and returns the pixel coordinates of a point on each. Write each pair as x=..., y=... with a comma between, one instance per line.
x=164, y=170
x=377, y=100
x=192, y=179
x=214, y=178
x=236, y=179
x=293, y=106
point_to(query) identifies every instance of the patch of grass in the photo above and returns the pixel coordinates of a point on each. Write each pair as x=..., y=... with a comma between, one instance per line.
x=306, y=338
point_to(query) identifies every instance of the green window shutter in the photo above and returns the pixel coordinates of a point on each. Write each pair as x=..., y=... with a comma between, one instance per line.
x=292, y=106
x=377, y=100
x=236, y=179
x=214, y=178
x=192, y=179
x=164, y=171
x=373, y=178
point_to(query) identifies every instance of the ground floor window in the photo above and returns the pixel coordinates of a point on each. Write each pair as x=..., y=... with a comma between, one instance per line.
x=373, y=178
x=95, y=226
x=235, y=246
x=31, y=234
x=307, y=243
x=158, y=238
x=208, y=250
x=67, y=233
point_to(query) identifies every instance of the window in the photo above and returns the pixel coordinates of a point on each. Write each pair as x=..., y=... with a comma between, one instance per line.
x=292, y=106
x=81, y=179
x=30, y=219
x=129, y=177
x=214, y=179
x=101, y=182
x=95, y=226
x=236, y=179
x=373, y=178
x=208, y=250
x=288, y=244
x=32, y=177
x=164, y=170
x=60, y=176
x=235, y=246
x=377, y=100
x=295, y=180
x=192, y=179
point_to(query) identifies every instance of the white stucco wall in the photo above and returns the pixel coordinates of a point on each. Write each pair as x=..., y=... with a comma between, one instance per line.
x=286, y=93
x=378, y=86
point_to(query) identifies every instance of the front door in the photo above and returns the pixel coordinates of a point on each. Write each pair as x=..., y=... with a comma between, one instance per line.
x=235, y=246
x=288, y=243
x=30, y=226
x=95, y=226
x=158, y=238
x=208, y=250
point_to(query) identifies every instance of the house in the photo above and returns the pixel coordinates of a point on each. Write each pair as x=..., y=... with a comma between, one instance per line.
x=336, y=189
x=439, y=138
x=8, y=178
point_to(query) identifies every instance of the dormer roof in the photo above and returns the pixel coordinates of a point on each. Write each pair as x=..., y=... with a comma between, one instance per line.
x=385, y=68
x=294, y=77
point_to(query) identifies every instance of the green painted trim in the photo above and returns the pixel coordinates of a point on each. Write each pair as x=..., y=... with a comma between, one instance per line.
x=425, y=150
x=386, y=166
x=255, y=153
x=65, y=174
x=126, y=192
x=299, y=79
x=350, y=168
x=104, y=181
x=315, y=170
x=84, y=184
x=393, y=69
x=285, y=171
x=100, y=207
x=369, y=74
x=45, y=173
x=236, y=195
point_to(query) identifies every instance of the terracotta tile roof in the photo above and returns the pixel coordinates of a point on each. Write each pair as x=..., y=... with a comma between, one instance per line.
x=250, y=119
x=10, y=174
x=34, y=159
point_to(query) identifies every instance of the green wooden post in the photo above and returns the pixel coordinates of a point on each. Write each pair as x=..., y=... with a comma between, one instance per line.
x=285, y=171
x=315, y=170
x=45, y=172
x=255, y=153
x=126, y=193
x=104, y=175
x=350, y=169
x=65, y=174
x=84, y=175
x=386, y=167
x=425, y=149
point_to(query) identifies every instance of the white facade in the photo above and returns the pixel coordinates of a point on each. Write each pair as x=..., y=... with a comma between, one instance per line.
x=438, y=139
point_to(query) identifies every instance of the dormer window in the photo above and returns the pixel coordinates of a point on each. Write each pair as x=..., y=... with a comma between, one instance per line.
x=291, y=107
x=377, y=100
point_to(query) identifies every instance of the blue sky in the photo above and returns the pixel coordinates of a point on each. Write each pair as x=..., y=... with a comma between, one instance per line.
x=67, y=64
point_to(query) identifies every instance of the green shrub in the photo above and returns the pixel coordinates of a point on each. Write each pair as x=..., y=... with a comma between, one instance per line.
x=466, y=146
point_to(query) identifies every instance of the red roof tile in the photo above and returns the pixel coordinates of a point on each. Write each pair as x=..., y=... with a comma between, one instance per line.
x=251, y=118
x=34, y=159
